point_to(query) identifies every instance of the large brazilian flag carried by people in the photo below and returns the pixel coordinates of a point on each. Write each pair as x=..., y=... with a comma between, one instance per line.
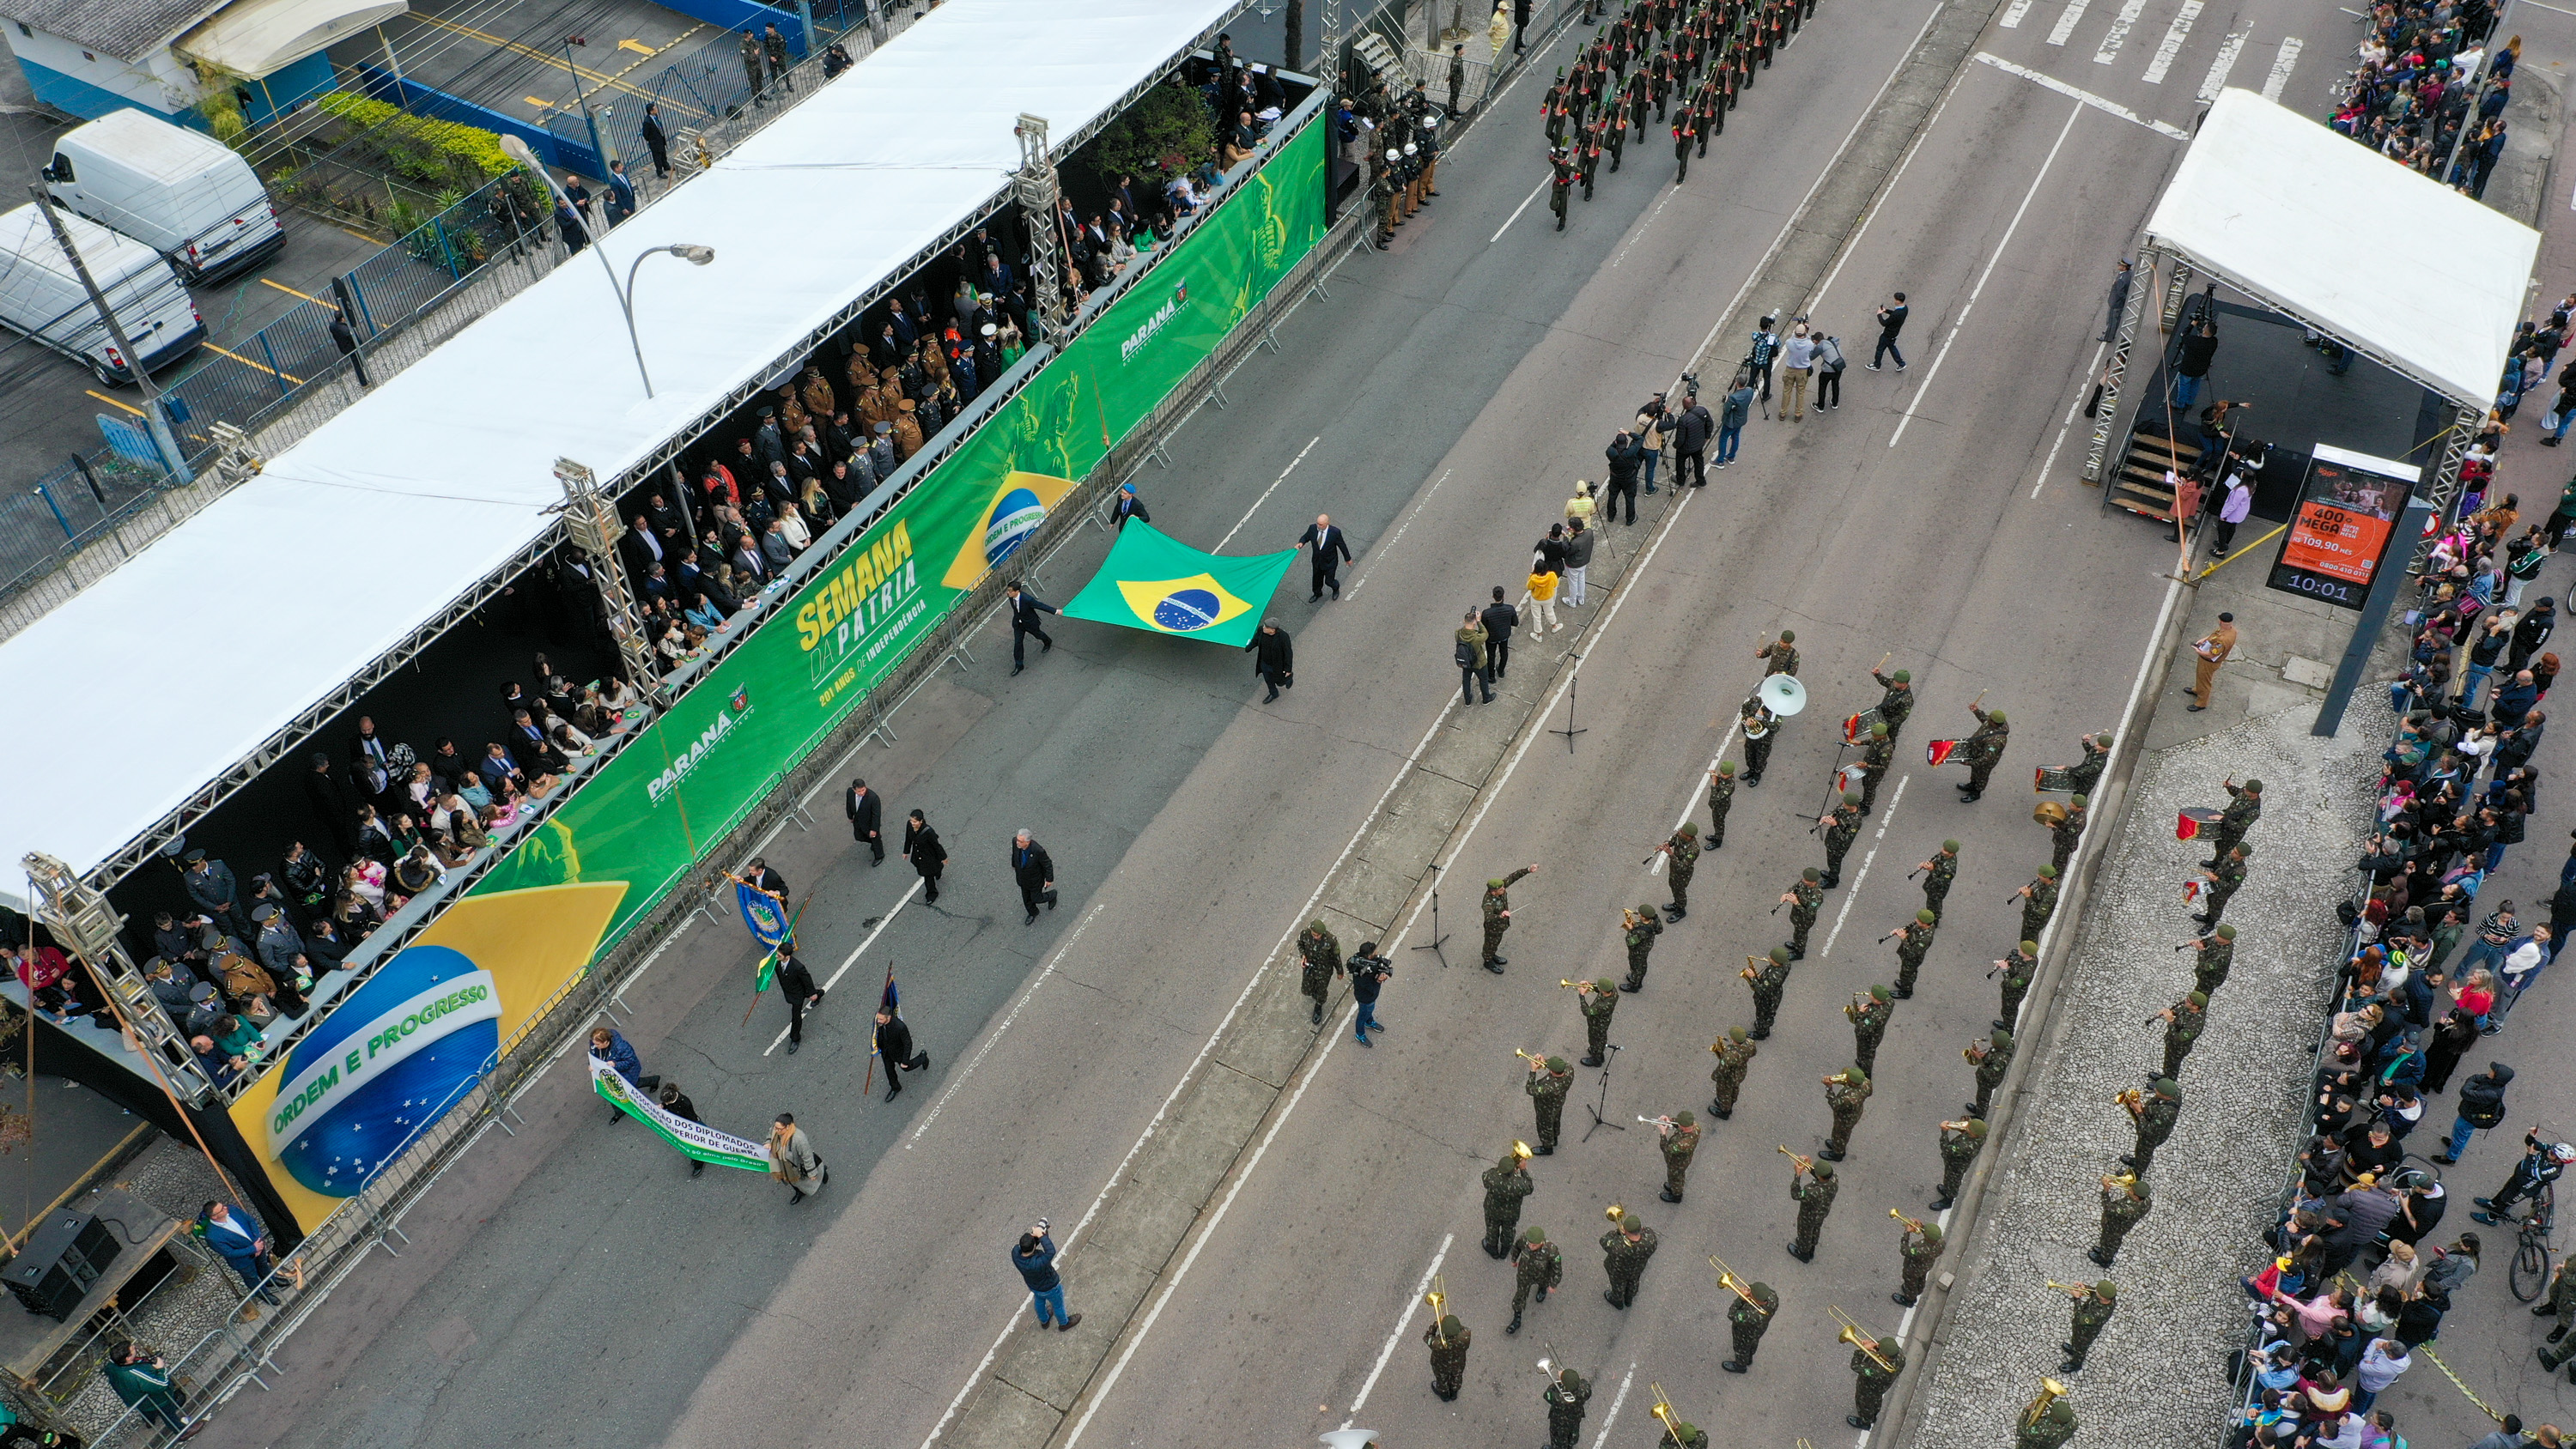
x=1154, y=582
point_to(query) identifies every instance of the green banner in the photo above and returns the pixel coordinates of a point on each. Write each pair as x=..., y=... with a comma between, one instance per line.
x=701, y=767
x=1154, y=582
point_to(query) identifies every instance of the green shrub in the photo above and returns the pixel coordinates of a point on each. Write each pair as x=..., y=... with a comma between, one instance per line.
x=417, y=145
x=1166, y=132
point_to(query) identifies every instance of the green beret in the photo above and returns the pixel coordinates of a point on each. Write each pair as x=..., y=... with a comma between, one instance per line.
x=1976, y=1127
x=2080, y=800
x=2106, y=1289
x=2000, y=1039
x=1879, y=992
x=1495, y=884
x=1557, y=1064
x=1855, y=1076
x=2048, y=872
x=1450, y=1326
x=2030, y=948
x=1932, y=1234
x=1924, y=917
x=1780, y=954
x=2252, y=787
x=1605, y=984
x=2242, y=850
x=1996, y=715
x=2169, y=1089
x=1735, y=1032
x=1765, y=1292
x=1788, y=636
x=1823, y=1170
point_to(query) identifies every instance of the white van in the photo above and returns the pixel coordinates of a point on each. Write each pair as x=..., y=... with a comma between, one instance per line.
x=182, y=193
x=41, y=296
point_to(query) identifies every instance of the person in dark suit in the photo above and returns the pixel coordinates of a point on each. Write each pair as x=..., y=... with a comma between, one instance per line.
x=865, y=811
x=677, y=1103
x=330, y=804
x=1128, y=505
x=1034, y=869
x=1274, y=658
x=657, y=141
x=1331, y=549
x=894, y=1043
x=764, y=877
x=1025, y=608
x=796, y=984
x=921, y=846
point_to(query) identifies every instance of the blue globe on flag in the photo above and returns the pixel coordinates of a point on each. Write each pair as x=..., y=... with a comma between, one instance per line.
x=1185, y=610
x=1015, y=516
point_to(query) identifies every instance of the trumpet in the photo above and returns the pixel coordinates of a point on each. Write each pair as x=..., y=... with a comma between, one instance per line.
x=2132, y=1099
x=2050, y=1391
x=1663, y=1412
x=1438, y=1298
x=1658, y=1122
x=1727, y=1280
x=1972, y=1053
x=1616, y=1214
x=2071, y=1290
x=1536, y=1061
x=1563, y=982
x=1852, y=1335
x=1912, y=1225
x=1802, y=1164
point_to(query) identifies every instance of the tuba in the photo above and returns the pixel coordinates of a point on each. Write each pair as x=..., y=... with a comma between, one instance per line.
x=1782, y=694
x=2050, y=1391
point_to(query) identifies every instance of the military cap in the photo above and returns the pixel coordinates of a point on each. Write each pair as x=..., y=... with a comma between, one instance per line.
x=1605, y=984
x=2169, y=1089
x=1976, y=1127
x=1999, y=1038
x=1905, y=676
x=2227, y=932
x=1685, y=1119
x=1495, y=884
x=1824, y=1170
x=1949, y=847
x=1788, y=636
x=2106, y=1289
x=1851, y=797
x=1766, y=1293
x=1780, y=954
x=1924, y=917
x=2080, y=800
x=2030, y=948
x=1878, y=992
x=1558, y=1064
x=2199, y=999
x=1878, y=731
x=1690, y=829
x=1726, y=767
x=1535, y=1235
x=1451, y=1325
x=2252, y=787
x=1853, y=1076
x=1996, y=715
x=1735, y=1033
x=2048, y=872
x=1811, y=874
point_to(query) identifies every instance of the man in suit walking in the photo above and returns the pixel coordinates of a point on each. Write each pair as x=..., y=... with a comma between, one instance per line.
x=1025, y=608
x=657, y=141
x=796, y=984
x=1034, y=869
x=1331, y=550
x=866, y=813
x=894, y=1043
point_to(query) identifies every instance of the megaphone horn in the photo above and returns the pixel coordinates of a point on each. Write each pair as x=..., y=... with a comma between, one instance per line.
x=1783, y=695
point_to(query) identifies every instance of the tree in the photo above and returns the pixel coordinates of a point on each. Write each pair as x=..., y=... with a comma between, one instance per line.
x=1165, y=133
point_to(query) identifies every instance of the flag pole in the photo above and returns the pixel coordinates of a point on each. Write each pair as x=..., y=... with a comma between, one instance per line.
x=869, y=1083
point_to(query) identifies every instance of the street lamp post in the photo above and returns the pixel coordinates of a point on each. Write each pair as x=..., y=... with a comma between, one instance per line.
x=517, y=150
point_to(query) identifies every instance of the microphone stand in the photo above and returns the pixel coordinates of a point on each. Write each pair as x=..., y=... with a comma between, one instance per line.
x=1437, y=936
x=1610, y=1058
x=1573, y=687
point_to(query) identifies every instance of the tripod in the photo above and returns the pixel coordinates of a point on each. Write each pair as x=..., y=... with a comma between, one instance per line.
x=1609, y=1059
x=1573, y=687
x=1437, y=935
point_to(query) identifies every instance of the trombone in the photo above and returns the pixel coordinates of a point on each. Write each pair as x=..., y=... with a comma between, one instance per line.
x=1663, y=1412
x=2077, y=1291
x=1802, y=1164
x=1438, y=1298
x=1868, y=1346
x=1616, y=1214
x=2050, y=1391
x=1727, y=1280
x=1912, y=1225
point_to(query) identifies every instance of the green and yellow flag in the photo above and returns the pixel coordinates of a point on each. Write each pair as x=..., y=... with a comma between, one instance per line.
x=1154, y=583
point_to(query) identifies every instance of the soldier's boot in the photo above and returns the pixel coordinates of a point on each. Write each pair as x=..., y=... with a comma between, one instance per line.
x=1514, y=1326
x=1674, y=911
x=1832, y=1151
x=1901, y=1300
x=1611, y=1295
x=1719, y=1109
x=1735, y=1366
x=1318, y=1017
x=1636, y=982
x=1797, y=951
x=2099, y=1257
x=1802, y=1252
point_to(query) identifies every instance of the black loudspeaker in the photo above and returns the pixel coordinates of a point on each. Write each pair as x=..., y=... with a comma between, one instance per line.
x=54, y=1271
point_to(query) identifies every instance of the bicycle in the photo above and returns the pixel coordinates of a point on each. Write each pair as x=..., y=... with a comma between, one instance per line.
x=2531, y=1253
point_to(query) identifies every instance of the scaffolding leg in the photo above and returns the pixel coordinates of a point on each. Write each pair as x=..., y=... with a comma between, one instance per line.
x=2123, y=343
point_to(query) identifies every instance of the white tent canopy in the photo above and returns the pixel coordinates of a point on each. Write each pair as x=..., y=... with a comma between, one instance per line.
x=2350, y=243
x=257, y=38
x=187, y=659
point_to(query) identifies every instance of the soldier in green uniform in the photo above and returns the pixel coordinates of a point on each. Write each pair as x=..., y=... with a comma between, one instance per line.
x=2154, y=1115
x=1587, y=151
x=1684, y=849
x=1507, y=1182
x=1769, y=977
x=1538, y=1266
x=1685, y=133
x=2050, y=1430
x=1875, y=1363
x=1641, y=928
x=2086, y=774
x=1804, y=900
x=1682, y=1434
x=1552, y=108
x=2125, y=1199
x=2019, y=967
x=1761, y=728
x=2183, y=1021
x=1548, y=1083
x=1746, y=1322
x=2217, y=954
x=2561, y=1305
x=1898, y=700
x=1992, y=1058
x=1874, y=760
x=2063, y=835
x=1384, y=195
x=2225, y=879
x=1680, y=1134
x=1846, y=1093
x=1322, y=954
x=1498, y=915
x=1868, y=1011
x=1625, y=1250
x=1983, y=750
x=1448, y=1339
x=1561, y=167
x=1812, y=1187
x=1597, y=1000
x=2244, y=807
x=1735, y=1052
x=1565, y=1400
x=1913, y=943
x=2039, y=902
x=1938, y=873
x=1961, y=1141
x=1917, y=1250
x=1721, y=798
x=1782, y=654
x=1842, y=827
x=2093, y=1309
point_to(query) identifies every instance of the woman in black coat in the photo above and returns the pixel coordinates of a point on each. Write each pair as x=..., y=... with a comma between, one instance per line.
x=2451, y=1036
x=1273, y=658
x=921, y=846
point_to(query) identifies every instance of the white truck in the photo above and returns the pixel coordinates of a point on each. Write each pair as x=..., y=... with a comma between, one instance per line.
x=182, y=193
x=41, y=296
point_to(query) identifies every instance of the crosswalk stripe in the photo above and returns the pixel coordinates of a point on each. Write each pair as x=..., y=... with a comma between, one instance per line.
x=2014, y=12
x=2218, y=69
x=2172, y=45
x=2279, y=79
x=2119, y=31
x=2066, y=21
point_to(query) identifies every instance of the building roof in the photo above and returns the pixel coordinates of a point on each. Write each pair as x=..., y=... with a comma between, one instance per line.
x=125, y=29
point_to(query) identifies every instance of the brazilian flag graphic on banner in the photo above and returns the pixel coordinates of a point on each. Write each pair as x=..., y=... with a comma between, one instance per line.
x=1152, y=582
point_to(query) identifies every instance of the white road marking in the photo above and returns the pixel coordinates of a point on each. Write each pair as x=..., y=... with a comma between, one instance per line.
x=2282, y=61
x=977, y=1060
x=1517, y=210
x=1982, y=277
x=2083, y=390
x=2175, y=35
x=2066, y=22
x=2107, y=107
x=1266, y=492
x=1403, y=1321
x=2014, y=13
x=2121, y=25
x=1640, y=231
x=1378, y=551
x=1616, y=1400
x=1879, y=202
x=2216, y=81
x=1863, y=873
x=853, y=958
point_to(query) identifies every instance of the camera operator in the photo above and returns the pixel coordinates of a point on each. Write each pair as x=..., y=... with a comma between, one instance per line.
x=1369, y=971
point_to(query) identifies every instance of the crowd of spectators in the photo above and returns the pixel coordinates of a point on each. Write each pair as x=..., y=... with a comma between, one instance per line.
x=2412, y=94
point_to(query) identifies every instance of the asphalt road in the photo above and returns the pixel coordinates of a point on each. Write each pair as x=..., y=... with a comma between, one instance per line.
x=1438, y=405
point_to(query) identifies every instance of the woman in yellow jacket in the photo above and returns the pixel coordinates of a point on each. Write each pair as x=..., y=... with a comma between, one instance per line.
x=1541, y=598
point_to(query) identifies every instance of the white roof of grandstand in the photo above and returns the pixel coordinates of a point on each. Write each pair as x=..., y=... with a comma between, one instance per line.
x=185, y=660
x=2339, y=236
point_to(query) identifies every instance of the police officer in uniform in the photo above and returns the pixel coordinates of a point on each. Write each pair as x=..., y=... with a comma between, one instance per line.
x=1805, y=898
x=1548, y=1083
x=1735, y=1052
x=1684, y=849
x=1769, y=977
